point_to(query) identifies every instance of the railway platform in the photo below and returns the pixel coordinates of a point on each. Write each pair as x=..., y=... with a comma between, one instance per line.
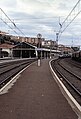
x=35, y=95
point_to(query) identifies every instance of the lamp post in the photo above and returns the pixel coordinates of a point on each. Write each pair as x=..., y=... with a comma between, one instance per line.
x=50, y=47
x=39, y=46
x=57, y=34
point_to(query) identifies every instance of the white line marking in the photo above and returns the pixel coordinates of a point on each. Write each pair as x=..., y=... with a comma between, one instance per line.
x=74, y=104
x=6, y=87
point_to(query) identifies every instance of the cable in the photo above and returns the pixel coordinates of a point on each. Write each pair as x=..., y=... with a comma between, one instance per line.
x=11, y=22
x=61, y=31
x=9, y=26
x=7, y=16
x=71, y=11
x=71, y=21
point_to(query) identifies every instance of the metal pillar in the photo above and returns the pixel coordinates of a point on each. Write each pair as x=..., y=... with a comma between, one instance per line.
x=39, y=46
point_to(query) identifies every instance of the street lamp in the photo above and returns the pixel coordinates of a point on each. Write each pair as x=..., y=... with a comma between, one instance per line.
x=39, y=46
x=50, y=47
x=39, y=36
x=57, y=34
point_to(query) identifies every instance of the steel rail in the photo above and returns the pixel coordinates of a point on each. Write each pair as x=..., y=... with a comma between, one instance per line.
x=70, y=71
x=13, y=71
x=63, y=77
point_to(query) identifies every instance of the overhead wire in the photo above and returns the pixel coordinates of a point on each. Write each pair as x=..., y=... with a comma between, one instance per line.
x=9, y=26
x=71, y=21
x=11, y=22
x=71, y=11
x=61, y=31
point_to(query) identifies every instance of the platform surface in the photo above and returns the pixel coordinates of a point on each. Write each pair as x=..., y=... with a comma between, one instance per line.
x=35, y=95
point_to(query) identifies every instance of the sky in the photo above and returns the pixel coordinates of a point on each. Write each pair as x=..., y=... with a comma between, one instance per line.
x=41, y=16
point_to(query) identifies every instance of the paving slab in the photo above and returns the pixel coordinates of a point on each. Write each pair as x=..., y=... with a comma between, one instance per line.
x=35, y=95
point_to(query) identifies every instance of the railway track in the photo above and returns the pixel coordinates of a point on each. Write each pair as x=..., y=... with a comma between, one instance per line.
x=70, y=79
x=9, y=69
x=71, y=63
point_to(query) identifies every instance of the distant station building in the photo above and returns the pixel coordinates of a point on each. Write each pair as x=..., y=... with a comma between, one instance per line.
x=6, y=50
x=24, y=50
x=31, y=40
x=20, y=50
x=49, y=44
x=25, y=47
x=65, y=49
